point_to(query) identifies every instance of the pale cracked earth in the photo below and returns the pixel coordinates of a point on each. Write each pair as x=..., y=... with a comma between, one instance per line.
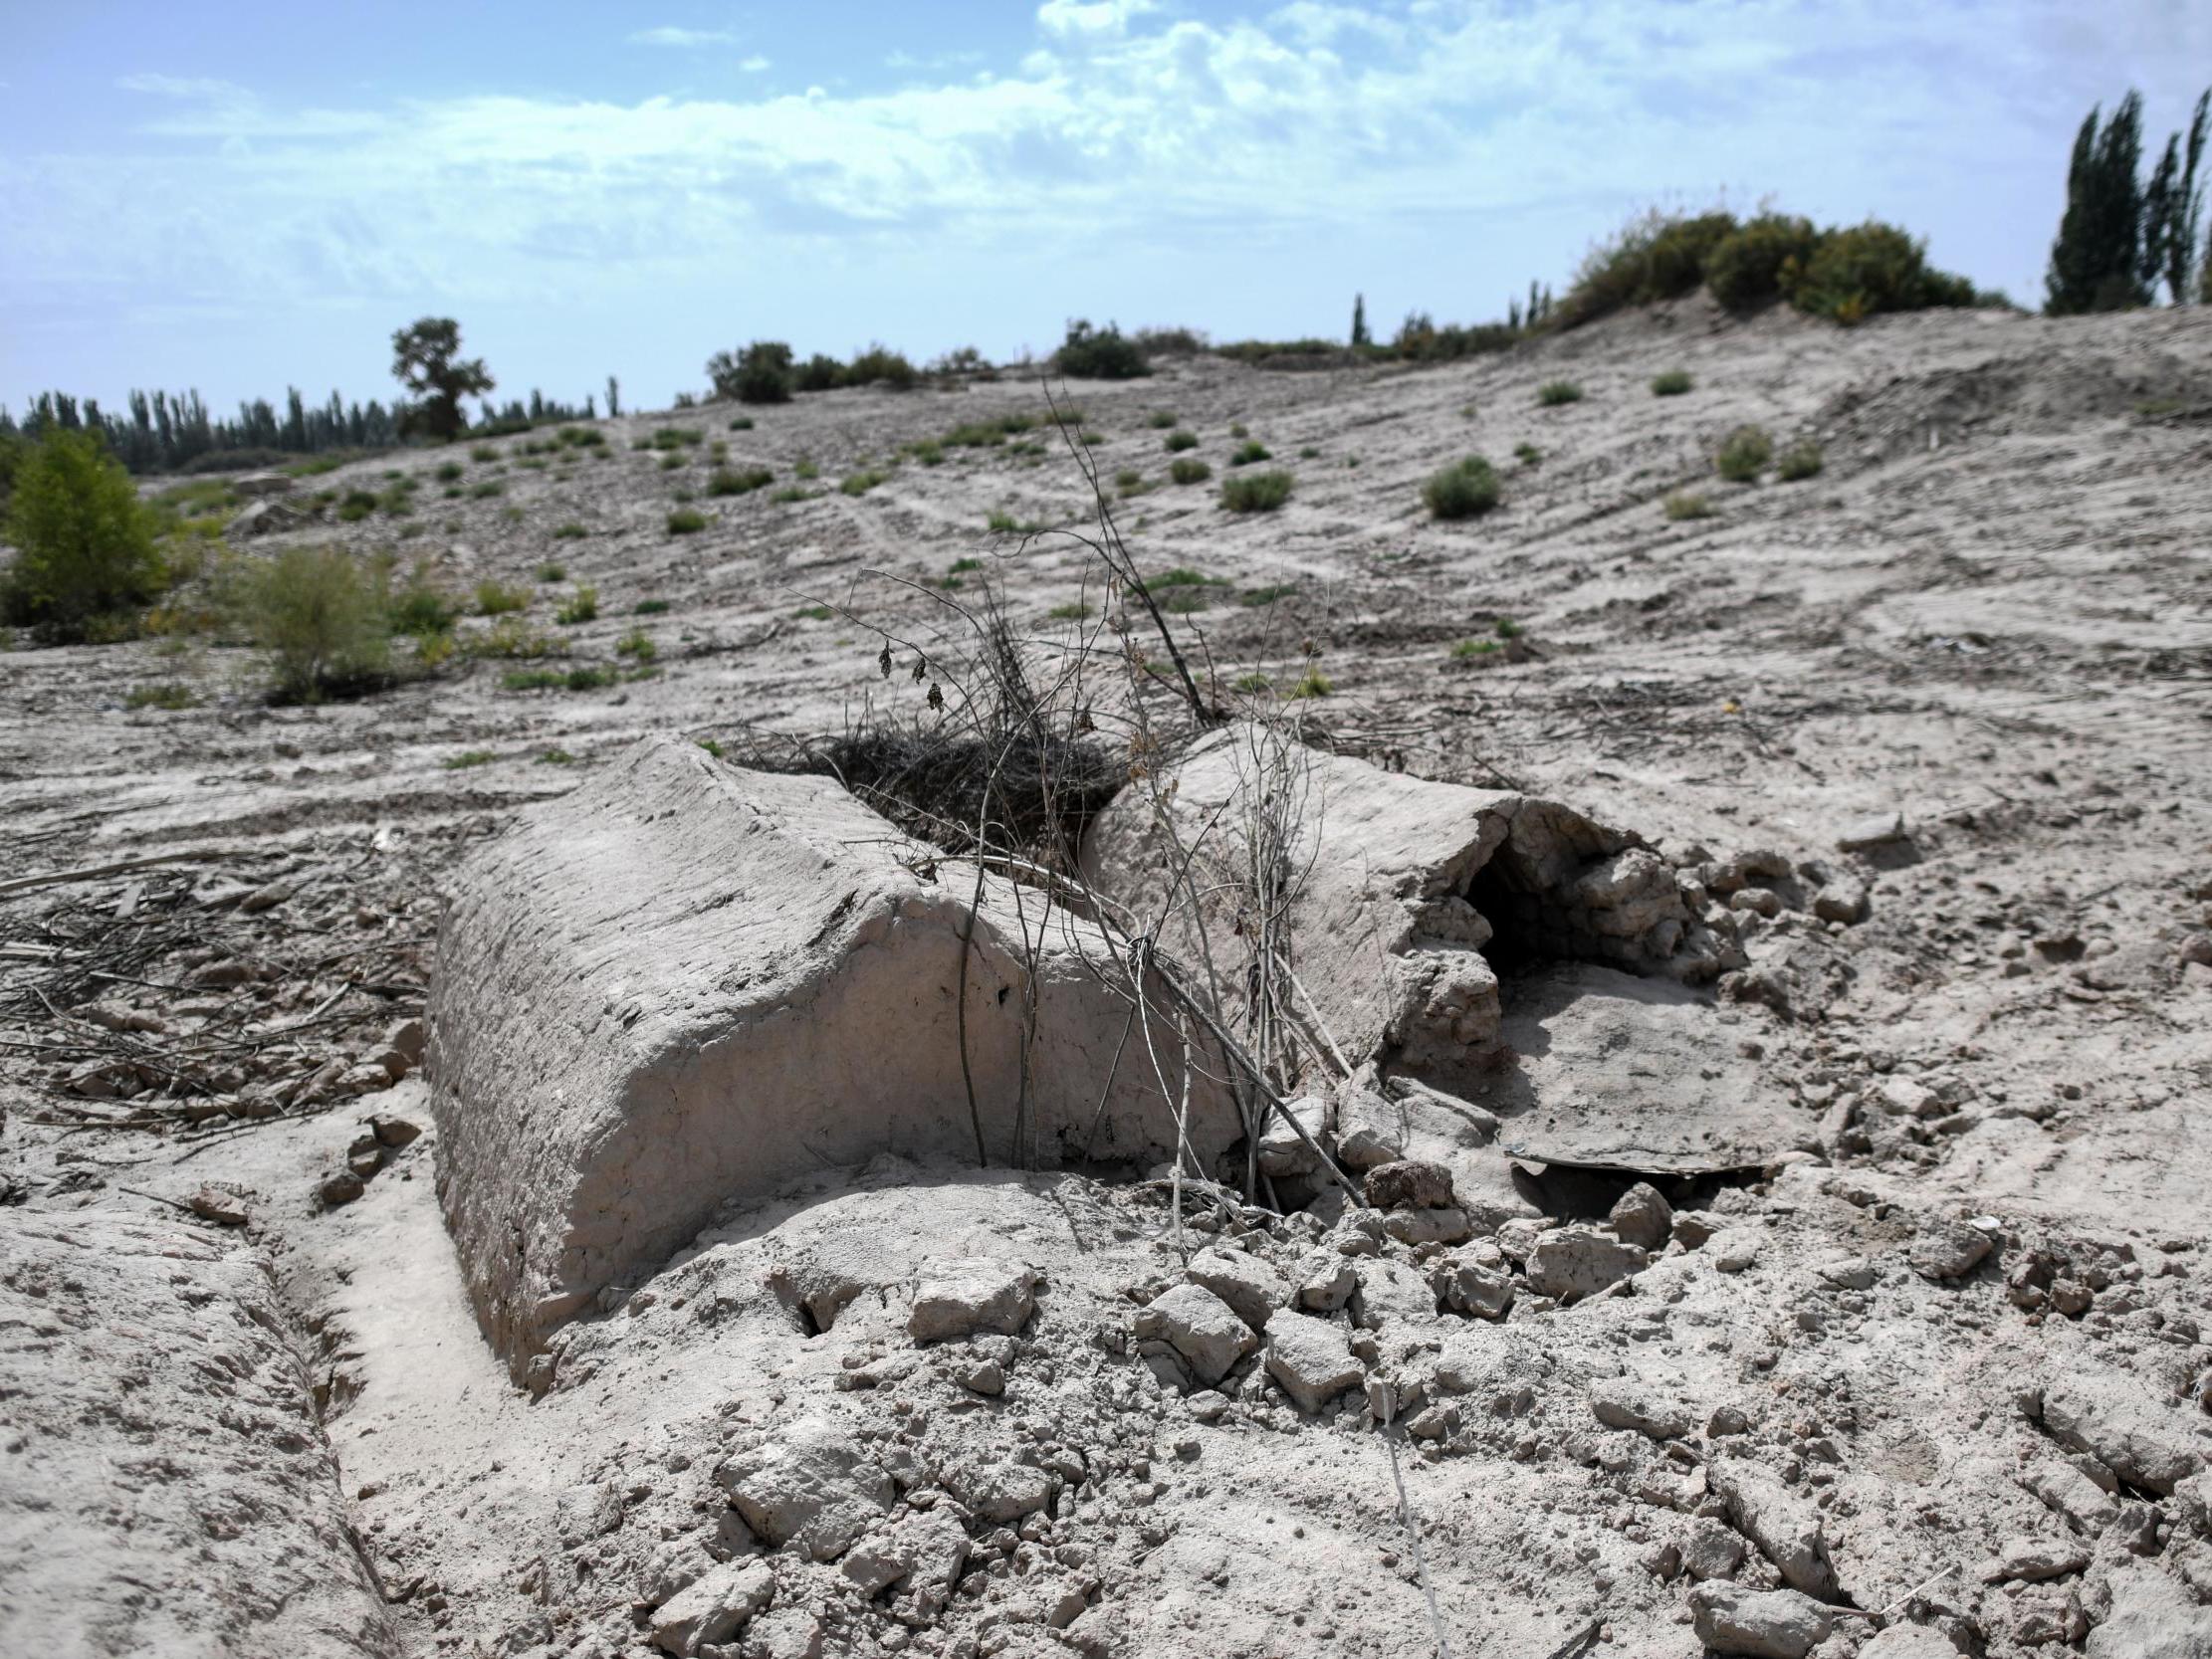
x=1932, y=1383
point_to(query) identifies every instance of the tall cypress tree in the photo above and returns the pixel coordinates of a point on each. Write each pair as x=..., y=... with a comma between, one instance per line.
x=1360, y=336
x=2185, y=208
x=2095, y=261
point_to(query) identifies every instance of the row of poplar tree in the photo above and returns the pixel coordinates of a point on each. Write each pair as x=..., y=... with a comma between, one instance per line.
x=2126, y=236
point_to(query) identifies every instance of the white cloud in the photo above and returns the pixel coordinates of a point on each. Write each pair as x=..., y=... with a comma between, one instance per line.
x=1321, y=126
x=754, y=64
x=669, y=35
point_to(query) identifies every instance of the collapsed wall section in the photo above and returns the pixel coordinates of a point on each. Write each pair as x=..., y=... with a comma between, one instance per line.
x=687, y=982
x=1405, y=894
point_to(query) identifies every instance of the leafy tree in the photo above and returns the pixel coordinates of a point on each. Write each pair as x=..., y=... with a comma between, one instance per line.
x=1360, y=336
x=1099, y=354
x=424, y=361
x=2173, y=209
x=85, y=543
x=761, y=373
x=2096, y=260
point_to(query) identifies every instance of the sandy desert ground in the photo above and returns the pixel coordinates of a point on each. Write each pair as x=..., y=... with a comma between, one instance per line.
x=1934, y=1379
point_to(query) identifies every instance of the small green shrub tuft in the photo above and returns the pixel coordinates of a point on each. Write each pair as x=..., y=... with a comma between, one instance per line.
x=1552, y=393
x=744, y=423
x=496, y=599
x=815, y=613
x=1159, y=420
x=1181, y=440
x=448, y=470
x=1799, y=461
x=1744, y=455
x=1255, y=491
x=1253, y=598
x=171, y=697
x=1184, y=469
x=582, y=606
x=649, y=607
x=1245, y=454
x=553, y=572
x=557, y=757
x=1468, y=649
x=686, y=520
x=1685, y=503
x=1075, y=611
x=638, y=645
x=569, y=532
x=743, y=482
x=860, y=483
x=1528, y=454
x=1251, y=685
x=1462, y=489
x=467, y=758
x=1673, y=383
x=1313, y=683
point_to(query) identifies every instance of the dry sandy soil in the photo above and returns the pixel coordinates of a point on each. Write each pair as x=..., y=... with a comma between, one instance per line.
x=1940, y=1366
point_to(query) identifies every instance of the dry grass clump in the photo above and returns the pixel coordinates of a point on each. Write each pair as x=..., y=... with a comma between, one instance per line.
x=1186, y=468
x=1552, y=393
x=1799, y=461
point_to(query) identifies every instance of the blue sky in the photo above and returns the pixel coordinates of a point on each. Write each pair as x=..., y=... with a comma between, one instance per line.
x=243, y=202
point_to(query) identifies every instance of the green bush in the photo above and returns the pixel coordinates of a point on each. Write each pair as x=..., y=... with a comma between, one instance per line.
x=1184, y=469
x=1673, y=383
x=686, y=521
x=1799, y=461
x=1744, y=455
x=1159, y=420
x=569, y=532
x=422, y=608
x=1245, y=453
x=1313, y=683
x=84, y=541
x=1528, y=454
x=322, y=620
x=860, y=483
x=1762, y=259
x=637, y=644
x=1867, y=269
x=880, y=364
x=1099, y=354
x=1658, y=255
x=1683, y=504
x=170, y=696
x=1255, y=491
x=649, y=607
x=744, y=423
x=1553, y=393
x=448, y=470
x=1462, y=489
x=582, y=606
x=743, y=482
x=1180, y=440
x=495, y=599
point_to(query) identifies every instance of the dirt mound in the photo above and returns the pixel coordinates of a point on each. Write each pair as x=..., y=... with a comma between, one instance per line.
x=2040, y=392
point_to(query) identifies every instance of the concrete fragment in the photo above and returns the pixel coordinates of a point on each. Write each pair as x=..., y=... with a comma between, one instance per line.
x=1283, y=1151
x=1947, y=1250
x=685, y=983
x=715, y=1606
x=1469, y=1282
x=2112, y=1419
x=1761, y=1624
x=1786, y=1528
x=813, y=1484
x=1642, y=1217
x=1247, y=1283
x=1418, y=1227
x=1393, y=1292
x=169, y=1487
x=1569, y=1263
x=1409, y=1181
x=1405, y=882
x=1310, y=1358
x=1623, y=1402
x=1327, y=1284
x=1370, y=1128
x=1200, y=1327
x=963, y=1297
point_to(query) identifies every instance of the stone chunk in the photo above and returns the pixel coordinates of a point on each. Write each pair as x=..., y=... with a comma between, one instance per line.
x=713, y=1607
x=1327, y=1284
x=1370, y=1131
x=1711, y=1550
x=1200, y=1327
x=2114, y=1422
x=2033, y=1560
x=1786, y=1528
x=1642, y=1217
x=1947, y=1250
x=1392, y=1293
x=1248, y=1284
x=1758, y=1625
x=972, y=1294
x=1281, y=1151
x=813, y=1484
x=1875, y=830
x=1473, y=1282
x=1413, y=1228
x=1569, y=1263
x=1410, y=1183
x=1310, y=1358
x=1841, y=901
x=1736, y=1249
x=1623, y=1402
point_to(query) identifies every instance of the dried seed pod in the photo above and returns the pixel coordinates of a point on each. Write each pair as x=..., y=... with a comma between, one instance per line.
x=937, y=698
x=921, y=668
x=884, y=662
